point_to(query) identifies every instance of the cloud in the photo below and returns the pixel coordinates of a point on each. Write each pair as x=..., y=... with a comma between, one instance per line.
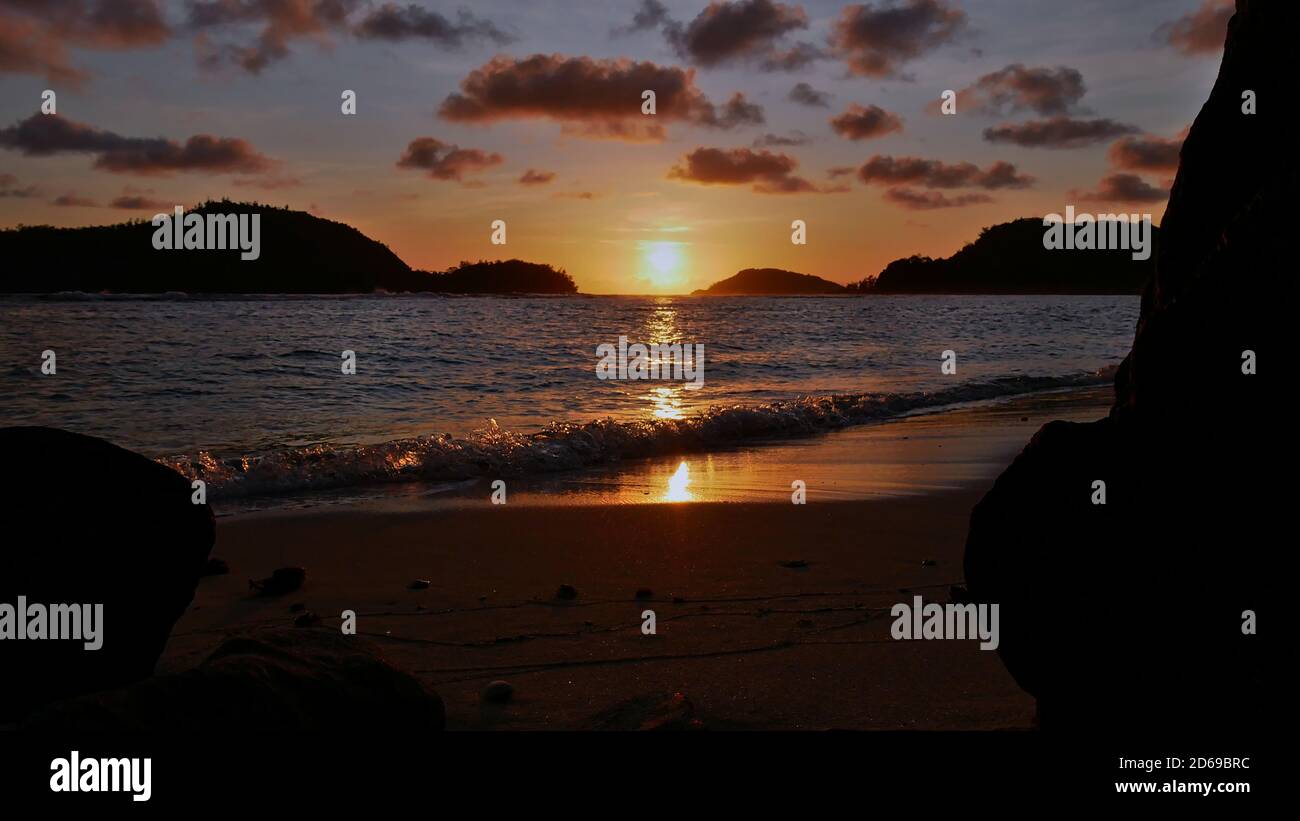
x=393, y=22
x=865, y=122
x=73, y=201
x=444, y=161
x=138, y=202
x=1017, y=88
x=1201, y=32
x=1123, y=188
x=794, y=138
x=931, y=200
x=9, y=188
x=1058, y=132
x=767, y=172
x=531, y=177
x=27, y=48
x=1146, y=153
x=889, y=171
x=741, y=31
x=281, y=21
x=650, y=15
x=876, y=41
x=804, y=94
x=36, y=34
x=270, y=182
x=591, y=98
x=42, y=135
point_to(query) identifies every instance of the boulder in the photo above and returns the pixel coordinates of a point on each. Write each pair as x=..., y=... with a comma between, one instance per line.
x=270, y=681
x=1128, y=615
x=87, y=522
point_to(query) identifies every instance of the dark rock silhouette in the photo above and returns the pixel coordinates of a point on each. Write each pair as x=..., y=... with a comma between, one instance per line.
x=1010, y=259
x=87, y=522
x=771, y=282
x=299, y=254
x=269, y=681
x=1129, y=615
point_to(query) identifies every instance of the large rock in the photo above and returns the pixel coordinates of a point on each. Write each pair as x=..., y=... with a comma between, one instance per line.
x=86, y=522
x=270, y=681
x=1128, y=615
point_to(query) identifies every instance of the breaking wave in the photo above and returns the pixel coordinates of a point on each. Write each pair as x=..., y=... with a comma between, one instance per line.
x=561, y=446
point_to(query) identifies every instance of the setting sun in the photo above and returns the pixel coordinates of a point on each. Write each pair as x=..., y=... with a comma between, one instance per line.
x=662, y=263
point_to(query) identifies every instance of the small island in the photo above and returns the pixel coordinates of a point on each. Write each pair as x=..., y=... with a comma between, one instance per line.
x=299, y=253
x=1009, y=258
x=771, y=282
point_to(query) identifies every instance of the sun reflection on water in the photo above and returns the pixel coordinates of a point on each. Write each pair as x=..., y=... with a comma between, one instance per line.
x=678, y=485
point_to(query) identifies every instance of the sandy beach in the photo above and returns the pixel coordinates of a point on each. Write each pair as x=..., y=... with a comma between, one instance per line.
x=768, y=614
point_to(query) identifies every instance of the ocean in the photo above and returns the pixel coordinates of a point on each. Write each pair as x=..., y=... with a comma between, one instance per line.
x=250, y=394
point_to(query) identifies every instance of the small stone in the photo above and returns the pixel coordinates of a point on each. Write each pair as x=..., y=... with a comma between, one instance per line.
x=928, y=563
x=281, y=581
x=566, y=592
x=498, y=692
x=418, y=584
x=644, y=593
x=1024, y=419
x=308, y=619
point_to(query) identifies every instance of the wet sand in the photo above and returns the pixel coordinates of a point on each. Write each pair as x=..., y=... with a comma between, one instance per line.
x=768, y=614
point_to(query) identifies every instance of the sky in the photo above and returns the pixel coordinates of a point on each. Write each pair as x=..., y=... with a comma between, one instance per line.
x=532, y=112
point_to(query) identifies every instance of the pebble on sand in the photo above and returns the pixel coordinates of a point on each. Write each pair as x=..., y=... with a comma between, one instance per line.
x=644, y=593
x=498, y=692
x=566, y=592
x=282, y=580
x=418, y=584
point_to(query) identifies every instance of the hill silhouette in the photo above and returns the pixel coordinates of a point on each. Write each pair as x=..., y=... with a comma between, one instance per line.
x=771, y=281
x=1009, y=258
x=299, y=253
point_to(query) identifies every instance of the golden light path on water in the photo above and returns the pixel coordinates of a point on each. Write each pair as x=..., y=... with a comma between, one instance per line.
x=679, y=485
x=660, y=327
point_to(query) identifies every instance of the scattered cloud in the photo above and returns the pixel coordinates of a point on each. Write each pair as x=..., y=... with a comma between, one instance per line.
x=591, y=98
x=532, y=177
x=1146, y=152
x=138, y=202
x=930, y=200
x=794, y=138
x=1058, y=132
x=804, y=94
x=394, y=22
x=650, y=15
x=280, y=22
x=9, y=188
x=43, y=135
x=767, y=172
x=1200, y=33
x=876, y=41
x=1123, y=188
x=443, y=161
x=866, y=122
x=890, y=171
x=1015, y=88
x=73, y=201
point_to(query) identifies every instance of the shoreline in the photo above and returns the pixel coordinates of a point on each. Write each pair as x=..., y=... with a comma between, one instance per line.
x=768, y=615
